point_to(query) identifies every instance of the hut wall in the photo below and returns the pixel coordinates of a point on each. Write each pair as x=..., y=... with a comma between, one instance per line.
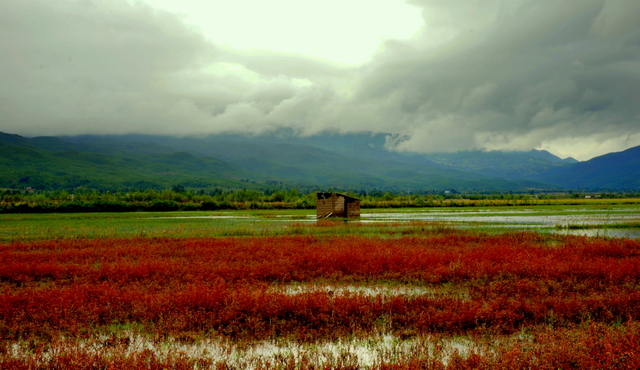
x=325, y=205
x=337, y=205
x=353, y=209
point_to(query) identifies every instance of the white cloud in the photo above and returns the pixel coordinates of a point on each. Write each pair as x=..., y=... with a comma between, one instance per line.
x=340, y=31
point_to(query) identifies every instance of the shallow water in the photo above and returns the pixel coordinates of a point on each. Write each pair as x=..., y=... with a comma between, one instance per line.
x=596, y=222
x=606, y=233
x=384, y=291
x=521, y=217
x=362, y=352
x=587, y=221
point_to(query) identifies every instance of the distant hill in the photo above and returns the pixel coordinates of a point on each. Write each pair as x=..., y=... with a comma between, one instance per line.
x=613, y=171
x=341, y=162
x=292, y=160
x=507, y=165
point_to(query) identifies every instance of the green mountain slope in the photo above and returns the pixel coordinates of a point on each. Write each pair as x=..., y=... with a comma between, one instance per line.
x=347, y=162
x=288, y=159
x=52, y=164
x=135, y=161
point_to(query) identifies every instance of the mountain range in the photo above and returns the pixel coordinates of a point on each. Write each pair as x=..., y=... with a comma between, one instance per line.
x=284, y=160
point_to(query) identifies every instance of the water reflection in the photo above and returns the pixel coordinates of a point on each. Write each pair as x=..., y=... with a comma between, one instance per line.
x=603, y=222
x=607, y=233
x=570, y=221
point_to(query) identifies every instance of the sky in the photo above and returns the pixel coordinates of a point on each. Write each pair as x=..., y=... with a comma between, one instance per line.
x=435, y=75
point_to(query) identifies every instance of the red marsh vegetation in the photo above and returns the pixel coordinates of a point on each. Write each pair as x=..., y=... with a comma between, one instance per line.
x=527, y=299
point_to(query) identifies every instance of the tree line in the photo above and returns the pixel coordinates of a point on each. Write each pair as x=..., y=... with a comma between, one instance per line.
x=180, y=199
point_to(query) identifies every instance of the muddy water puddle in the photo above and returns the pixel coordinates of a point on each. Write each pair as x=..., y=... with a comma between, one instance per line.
x=362, y=352
x=384, y=291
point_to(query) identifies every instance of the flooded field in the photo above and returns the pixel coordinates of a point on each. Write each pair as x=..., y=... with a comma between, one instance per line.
x=610, y=222
x=619, y=221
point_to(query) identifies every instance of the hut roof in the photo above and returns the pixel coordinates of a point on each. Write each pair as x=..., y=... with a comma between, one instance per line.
x=323, y=195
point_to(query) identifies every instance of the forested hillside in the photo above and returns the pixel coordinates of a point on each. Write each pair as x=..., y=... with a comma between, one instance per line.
x=355, y=162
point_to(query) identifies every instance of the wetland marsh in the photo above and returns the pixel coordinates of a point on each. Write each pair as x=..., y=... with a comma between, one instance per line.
x=619, y=220
x=499, y=287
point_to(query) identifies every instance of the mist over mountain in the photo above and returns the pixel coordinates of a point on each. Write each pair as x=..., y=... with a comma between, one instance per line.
x=282, y=159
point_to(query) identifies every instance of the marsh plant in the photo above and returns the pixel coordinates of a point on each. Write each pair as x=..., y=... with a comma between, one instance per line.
x=418, y=295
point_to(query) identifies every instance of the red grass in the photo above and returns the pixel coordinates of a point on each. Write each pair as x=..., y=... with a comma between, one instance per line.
x=220, y=286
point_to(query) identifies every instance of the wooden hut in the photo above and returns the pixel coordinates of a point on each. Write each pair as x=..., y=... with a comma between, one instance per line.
x=337, y=205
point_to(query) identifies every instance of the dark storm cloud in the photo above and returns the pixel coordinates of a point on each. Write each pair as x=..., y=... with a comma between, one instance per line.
x=520, y=75
x=497, y=74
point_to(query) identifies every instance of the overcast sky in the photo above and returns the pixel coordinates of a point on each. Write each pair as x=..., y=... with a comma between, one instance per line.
x=438, y=75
